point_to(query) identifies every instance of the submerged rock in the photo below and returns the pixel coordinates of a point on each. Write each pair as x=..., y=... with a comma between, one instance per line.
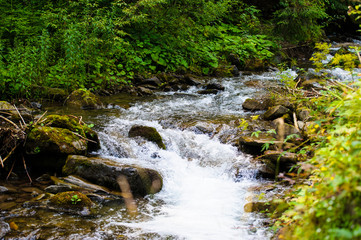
x=149, y=133
x=83, y=99
x=105, y=172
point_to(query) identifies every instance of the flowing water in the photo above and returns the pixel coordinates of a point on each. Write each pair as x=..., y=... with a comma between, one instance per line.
x=204, y=194
x=207, y=180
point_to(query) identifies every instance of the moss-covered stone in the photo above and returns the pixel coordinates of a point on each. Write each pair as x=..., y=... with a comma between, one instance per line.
x=275, y=112
x=149, y=133
x=72, y=199
x=83, y=99
x=54, y=140
x=72, y=124
x=105, y=172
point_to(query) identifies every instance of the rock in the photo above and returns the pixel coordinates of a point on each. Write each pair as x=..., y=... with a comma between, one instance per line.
x=254, y=105
x=208, y=91
x=215, y=86
x=71, y=123
x=145, y=91
x=104, y=172
x=253, y=144
x=7, y=205
x=72, y=202
x=303, y=114
x=226, y=71
x=191, y=81
x=154, y=81
x=284, y=130
x=43, y=142
x=83, y=99
x=275, y=112
x=149, y=133
x=234, y=60
x=54, y=189
x=281, y=157
x=4, y=229
x=254, y=83
x=3, y=189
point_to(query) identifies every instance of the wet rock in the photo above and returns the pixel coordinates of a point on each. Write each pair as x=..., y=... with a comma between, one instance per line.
x=254, y=105
x=208, y=91
x=4, y=229
x=54, y=189
x=8, y=110
x=145, y=91
x=275, y=112
x=149, y=133
x=73, y=124
x=72, y=202
x=226, y=71
x=104, y=172
x=83, y=99
x=191, y=81
x=215, y=86
x=3, y=189
x=7, y=205
x=234, y=60
x=254, y=83
x=154, y=81
x=284, y=130
x=257, y=207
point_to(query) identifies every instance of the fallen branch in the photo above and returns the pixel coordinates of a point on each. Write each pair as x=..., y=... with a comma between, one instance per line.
x=11, y=152
x=9, y=121
x=20, y=115
x=77, y=134
x=26, y=170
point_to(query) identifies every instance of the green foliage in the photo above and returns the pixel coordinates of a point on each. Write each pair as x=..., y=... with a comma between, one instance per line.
x=297, y=20
x=75, y=199
x=322, y=50
x=99, y=44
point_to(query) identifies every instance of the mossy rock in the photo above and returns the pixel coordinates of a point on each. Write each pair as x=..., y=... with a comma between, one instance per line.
x=275, y=112
x=71, y=199
x=83, y=99
x=149, y=133
x=226, y=71
x=72, y=124
x=105, y=172
x=54, y=140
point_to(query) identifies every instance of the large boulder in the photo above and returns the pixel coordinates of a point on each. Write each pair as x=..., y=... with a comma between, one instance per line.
x=149, y=133
x=105, y=172
x=83, y=99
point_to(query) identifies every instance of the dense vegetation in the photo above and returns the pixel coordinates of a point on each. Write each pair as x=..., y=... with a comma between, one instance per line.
x=326, y=204
x=100, y=44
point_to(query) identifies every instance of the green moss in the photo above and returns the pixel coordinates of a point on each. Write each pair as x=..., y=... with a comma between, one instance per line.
x=54, y=140
x=149, y=133
x=72, y=199
x=84, y=99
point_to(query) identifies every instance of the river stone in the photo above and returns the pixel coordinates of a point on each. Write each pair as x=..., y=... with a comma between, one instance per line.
x=208, y=91
x=154, y=81
x=303, y=114
x=104, y=172
x=149, y=133
x=4, y=229
x=215, y=86
x=254, y=144
x=83, y=99
x=254, y=105
x=3, y=189
x=145, y=91
x=275, y=112
x=281, y=157
x=192, y=81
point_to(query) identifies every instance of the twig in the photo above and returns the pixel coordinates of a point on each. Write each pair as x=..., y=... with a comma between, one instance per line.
x=20, y=115
x=11, y=152
x=77, y=134
x=26, y=170
x=11, y=170
x=2, y=163
x=40, y=118
x=9, y=121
